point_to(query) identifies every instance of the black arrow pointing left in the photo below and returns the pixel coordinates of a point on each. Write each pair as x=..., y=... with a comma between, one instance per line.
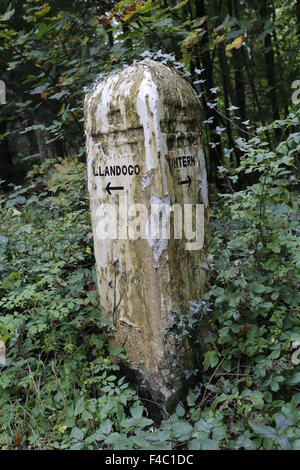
x=110, y=188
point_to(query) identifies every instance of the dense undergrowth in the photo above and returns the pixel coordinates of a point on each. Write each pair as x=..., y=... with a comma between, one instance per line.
x=61, y=386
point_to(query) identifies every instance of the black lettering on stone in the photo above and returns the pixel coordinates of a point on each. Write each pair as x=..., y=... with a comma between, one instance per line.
x=117, y=170
x=181, y=162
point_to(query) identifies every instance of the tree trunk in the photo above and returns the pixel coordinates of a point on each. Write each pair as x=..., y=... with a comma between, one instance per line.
x=6, y=166
x=240, y=87
x=270, y=65
x=215, y=152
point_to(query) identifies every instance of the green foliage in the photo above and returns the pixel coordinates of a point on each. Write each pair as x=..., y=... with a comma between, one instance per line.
x=62, y=387
x=49, y=56
x=61, y=383
x=184, y=333
x=255, y=289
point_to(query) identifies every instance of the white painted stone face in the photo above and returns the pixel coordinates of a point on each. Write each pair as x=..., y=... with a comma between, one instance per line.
x=145, y=162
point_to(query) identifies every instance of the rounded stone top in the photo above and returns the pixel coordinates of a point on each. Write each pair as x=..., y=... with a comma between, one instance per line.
x=124, y=99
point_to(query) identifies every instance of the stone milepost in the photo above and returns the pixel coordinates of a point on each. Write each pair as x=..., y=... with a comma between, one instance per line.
x=144, y=151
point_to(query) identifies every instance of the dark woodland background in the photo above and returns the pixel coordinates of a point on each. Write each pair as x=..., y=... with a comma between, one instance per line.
x=50, y=52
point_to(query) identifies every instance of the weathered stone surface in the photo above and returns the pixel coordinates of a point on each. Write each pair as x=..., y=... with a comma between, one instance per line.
x=144, y=147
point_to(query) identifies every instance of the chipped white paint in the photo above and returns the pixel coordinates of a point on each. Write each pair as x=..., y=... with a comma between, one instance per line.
x=159, y=244
x=146, y=181
x=149, y=113
x=146, y=115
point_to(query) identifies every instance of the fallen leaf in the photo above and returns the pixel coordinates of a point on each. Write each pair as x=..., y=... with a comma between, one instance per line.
x=17, y=439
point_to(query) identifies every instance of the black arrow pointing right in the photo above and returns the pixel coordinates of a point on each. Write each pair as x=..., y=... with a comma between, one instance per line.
x=187, y=181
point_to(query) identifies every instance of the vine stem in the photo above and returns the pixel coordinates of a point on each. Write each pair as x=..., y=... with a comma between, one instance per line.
x=210, y=380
